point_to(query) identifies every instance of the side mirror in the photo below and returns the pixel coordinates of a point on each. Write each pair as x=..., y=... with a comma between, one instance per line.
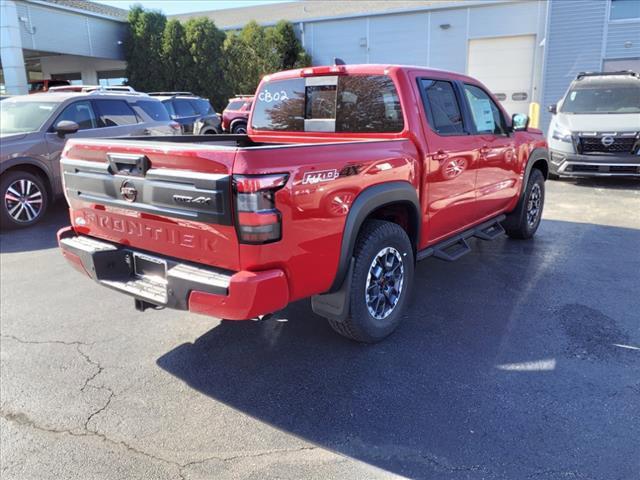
x=66, y=127
x=519, y=122
x=553, y=109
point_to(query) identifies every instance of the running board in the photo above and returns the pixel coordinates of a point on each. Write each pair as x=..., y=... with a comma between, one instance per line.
x=455, y=247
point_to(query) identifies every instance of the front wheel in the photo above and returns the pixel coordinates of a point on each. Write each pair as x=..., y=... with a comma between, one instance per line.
x=382, y=277
x=524, y=221
x=24, y=199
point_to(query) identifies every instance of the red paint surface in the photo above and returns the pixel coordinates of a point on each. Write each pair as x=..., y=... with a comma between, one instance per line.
x=460, y=180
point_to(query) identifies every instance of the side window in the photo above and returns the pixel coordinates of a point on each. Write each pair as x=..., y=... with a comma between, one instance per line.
x=81, y=113
x=155, y=110
x=441, y=105
x=202, y=106
x=114, y=113
x=168, y=104
x=184, y=108
x=487, y=117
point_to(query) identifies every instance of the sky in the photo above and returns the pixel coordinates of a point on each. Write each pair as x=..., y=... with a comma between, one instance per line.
x=173, y=7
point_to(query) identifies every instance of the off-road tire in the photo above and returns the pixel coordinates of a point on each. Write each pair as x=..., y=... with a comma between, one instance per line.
x=374, y=237
x=9, y=179
x=517, y=224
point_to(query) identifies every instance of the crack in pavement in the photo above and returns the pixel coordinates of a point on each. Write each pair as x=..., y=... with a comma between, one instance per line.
x=24, y=420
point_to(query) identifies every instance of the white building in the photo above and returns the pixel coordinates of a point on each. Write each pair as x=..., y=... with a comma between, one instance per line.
x=60, y=39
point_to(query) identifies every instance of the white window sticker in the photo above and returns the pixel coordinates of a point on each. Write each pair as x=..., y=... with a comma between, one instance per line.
x=483, y=114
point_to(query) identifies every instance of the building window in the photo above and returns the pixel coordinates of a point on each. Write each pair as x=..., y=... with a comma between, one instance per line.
x=112, y=77
x=73, y=78
x=624, y=9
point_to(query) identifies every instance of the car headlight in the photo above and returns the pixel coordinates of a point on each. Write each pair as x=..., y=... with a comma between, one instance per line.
x=562, y=134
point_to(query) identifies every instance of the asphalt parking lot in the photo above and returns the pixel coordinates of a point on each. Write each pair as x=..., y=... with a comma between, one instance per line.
x=520, y=361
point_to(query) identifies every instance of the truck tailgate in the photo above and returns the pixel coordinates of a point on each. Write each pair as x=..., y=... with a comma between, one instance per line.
x=174, y=200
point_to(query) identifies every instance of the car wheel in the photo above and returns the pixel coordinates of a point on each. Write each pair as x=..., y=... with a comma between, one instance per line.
x=239, y=129
x=524, y=221
x=24, y=199
x=382, y=277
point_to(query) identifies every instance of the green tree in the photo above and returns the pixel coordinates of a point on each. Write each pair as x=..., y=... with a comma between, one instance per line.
x=287, y=50
x=256, y=51
x=176, y=58
x=143, y=49
x=205, y=44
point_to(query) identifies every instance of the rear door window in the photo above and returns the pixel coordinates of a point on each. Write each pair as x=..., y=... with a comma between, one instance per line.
x=442, y=107
x=343, y=104
x=81, y=113
x=115, y=113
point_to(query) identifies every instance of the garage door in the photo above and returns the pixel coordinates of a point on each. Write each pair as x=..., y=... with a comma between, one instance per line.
x=505, y=65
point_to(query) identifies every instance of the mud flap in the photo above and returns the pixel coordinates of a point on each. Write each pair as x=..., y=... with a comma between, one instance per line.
x=335, y=306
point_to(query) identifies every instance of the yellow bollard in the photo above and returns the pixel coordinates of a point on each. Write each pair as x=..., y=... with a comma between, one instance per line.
x=534, y=114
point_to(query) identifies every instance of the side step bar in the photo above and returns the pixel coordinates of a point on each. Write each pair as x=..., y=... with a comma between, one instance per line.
x=455, y=247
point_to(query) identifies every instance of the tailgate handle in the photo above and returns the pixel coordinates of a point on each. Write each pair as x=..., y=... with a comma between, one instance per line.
x=128, y=164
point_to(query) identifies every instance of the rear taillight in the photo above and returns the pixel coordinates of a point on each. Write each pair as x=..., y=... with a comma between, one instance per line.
x=257, y=219
x=175, y=126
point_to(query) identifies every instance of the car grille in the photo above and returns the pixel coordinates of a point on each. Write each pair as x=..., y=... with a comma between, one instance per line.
x=593, y=144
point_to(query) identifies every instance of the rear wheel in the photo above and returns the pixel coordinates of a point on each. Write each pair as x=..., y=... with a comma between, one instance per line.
x=24, y=199
x=524, y=221
x=382, y=276
x=239, y=128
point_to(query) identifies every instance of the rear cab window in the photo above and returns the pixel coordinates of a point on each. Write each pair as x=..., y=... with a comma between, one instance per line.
x=332, y=104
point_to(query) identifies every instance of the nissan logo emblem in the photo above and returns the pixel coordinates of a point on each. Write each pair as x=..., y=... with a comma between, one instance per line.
x=607, y=141
x=128, y=191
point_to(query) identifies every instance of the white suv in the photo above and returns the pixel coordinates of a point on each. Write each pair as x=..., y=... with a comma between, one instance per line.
x=595, y=129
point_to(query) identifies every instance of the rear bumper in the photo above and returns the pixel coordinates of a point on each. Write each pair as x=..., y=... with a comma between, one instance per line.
x=576, y=165
x=201, y=289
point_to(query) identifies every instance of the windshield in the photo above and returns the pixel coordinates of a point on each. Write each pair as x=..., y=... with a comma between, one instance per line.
x=24, y=117
x=623, y=98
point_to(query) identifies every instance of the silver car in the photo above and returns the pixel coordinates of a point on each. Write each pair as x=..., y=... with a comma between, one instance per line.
x=34, y=128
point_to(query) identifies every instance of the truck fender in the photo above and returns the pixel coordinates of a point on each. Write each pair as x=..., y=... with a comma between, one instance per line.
x=335, y=303
x=536, y=154
x=369, y=200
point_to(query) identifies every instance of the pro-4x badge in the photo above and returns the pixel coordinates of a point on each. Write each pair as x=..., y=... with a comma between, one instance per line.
x=311, y=178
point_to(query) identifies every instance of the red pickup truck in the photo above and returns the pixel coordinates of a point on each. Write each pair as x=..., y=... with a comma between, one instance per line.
x=347, y=177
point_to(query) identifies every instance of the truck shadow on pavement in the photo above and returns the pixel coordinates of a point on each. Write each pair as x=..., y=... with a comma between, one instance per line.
x=508, y=364
x=38, y=237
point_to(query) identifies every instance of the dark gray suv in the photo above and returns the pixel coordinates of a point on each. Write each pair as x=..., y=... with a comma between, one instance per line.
x=34, y=128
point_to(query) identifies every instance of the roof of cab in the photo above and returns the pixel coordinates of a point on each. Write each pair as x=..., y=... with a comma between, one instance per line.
x=366, y=69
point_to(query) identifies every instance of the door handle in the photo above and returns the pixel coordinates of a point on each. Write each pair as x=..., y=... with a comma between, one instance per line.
x=440, y=156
